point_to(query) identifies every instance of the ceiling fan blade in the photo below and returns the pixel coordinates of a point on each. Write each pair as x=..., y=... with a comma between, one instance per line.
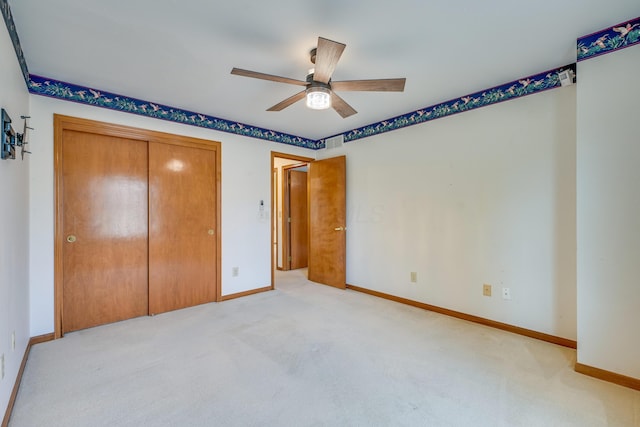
x=328, y=53
x=263, y=76
x=380, y=85
x=291, y=100
x=341, y=106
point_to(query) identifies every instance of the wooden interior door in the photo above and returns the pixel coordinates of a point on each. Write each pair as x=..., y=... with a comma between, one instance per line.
x=327, y=221
x=104, y=227
x=182, y=221
x=298, y=214
x=274, y=219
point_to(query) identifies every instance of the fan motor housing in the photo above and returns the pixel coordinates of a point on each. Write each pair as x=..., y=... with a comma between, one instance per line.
x=313, y=83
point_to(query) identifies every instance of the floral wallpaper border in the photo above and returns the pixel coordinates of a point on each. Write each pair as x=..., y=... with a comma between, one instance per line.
x=609, y=40
x=11, y=26
x=505, y=92
x=69, y=92
x=90, y=96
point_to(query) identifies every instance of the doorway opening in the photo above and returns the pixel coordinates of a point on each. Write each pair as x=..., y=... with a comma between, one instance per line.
x=289, y=215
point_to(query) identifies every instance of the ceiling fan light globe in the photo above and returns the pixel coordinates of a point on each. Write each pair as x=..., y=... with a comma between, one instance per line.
x=318, y=98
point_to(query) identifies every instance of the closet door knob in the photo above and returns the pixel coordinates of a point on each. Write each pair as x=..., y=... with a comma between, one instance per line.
x=211, y=232
x=71, y=238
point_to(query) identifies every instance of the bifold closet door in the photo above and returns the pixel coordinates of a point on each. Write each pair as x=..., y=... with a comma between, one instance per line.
x=182, y=219
x=104, y=229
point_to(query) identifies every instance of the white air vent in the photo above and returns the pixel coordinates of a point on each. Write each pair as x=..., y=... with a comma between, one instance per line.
x=334, y=142
x=566, y=77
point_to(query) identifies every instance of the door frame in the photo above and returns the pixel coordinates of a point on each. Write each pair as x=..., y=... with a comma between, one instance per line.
x=62, y=123
x=274, y=210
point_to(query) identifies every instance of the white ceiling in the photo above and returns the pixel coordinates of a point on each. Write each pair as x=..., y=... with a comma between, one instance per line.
x=180, y=52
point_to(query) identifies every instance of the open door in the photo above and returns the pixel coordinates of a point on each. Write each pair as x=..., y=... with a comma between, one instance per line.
x=327, y=221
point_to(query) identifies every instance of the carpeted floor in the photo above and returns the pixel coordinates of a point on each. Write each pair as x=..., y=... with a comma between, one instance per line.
x=310, y=355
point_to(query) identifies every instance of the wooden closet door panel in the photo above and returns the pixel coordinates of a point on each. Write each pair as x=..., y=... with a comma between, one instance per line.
x=104, y=229
x=299, y=230
x=182, y=219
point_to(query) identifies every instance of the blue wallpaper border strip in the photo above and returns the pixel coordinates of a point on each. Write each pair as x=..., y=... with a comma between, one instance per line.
x=505, y=92
x=13, y=33
x=609, y=40
x=98, y=98
x=70, y=92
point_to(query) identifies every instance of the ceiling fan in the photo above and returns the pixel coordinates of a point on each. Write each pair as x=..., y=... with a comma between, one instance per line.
x=319, y=89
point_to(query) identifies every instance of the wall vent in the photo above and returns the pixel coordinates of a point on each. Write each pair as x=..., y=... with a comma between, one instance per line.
x=334, y=142
x=567, y=77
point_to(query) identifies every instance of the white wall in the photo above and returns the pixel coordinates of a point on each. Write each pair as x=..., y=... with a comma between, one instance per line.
x=608, y=216
x=14, y=229
x=246, y=179
x=487, y=196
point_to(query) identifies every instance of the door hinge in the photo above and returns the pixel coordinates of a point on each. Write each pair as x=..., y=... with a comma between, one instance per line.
x=289, y=258
x=289, y=220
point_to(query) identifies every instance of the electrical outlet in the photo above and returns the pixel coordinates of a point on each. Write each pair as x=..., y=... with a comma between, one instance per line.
x=506, y=293
x=13, y=341
x=414, y=277
x=486, y=290
x=235, y=271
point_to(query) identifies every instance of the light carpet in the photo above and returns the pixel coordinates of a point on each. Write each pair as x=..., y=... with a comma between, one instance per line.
x=310, y=355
